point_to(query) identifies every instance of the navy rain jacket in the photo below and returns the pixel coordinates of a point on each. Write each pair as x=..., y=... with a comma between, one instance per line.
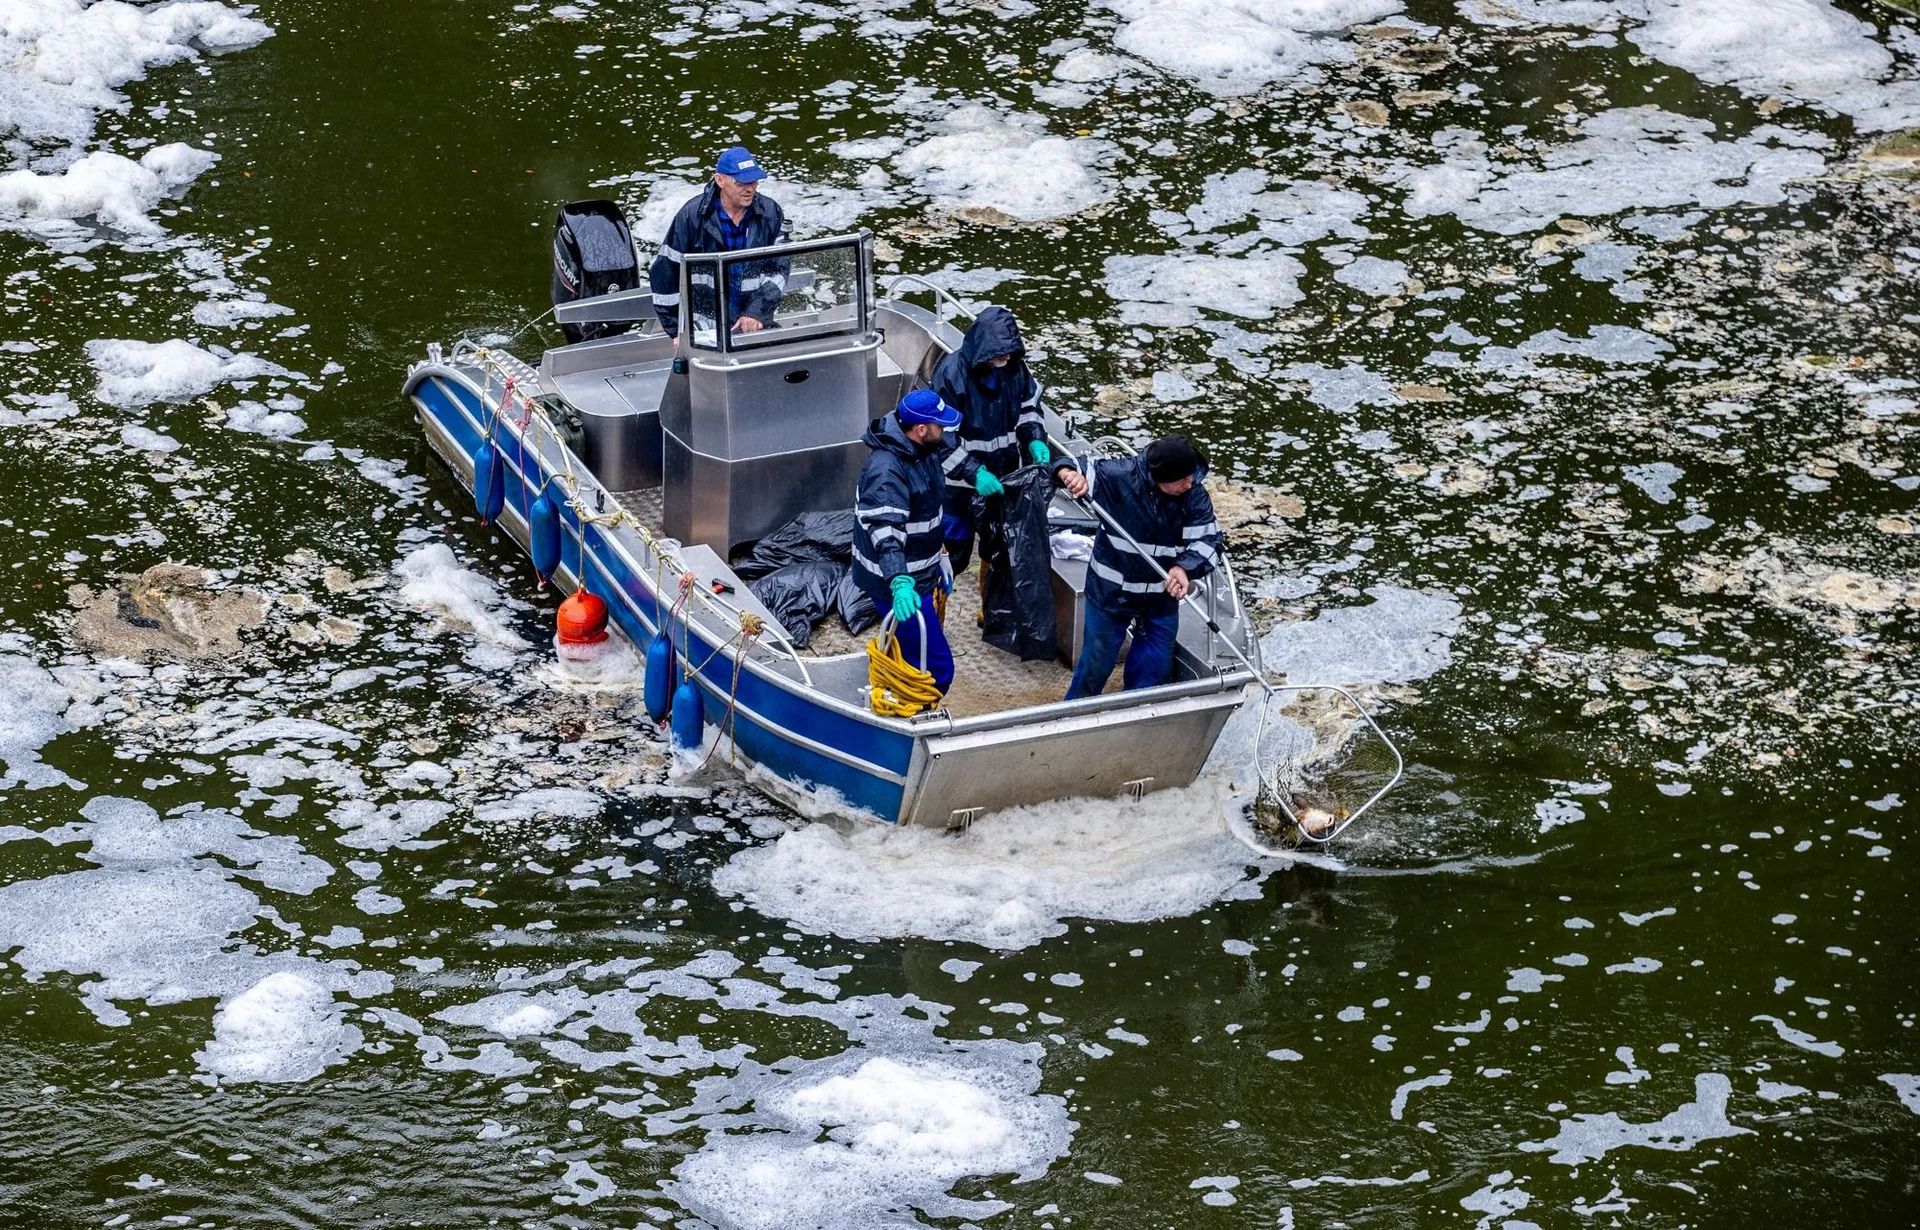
x=897, y=513
x=1000, y=411
x=696, y=228
x=1175, y=529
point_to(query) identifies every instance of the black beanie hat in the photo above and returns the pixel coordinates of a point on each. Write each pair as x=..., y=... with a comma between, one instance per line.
x=1172, y=458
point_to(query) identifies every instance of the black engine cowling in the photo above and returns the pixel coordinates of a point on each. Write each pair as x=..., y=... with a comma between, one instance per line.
x=592, y=255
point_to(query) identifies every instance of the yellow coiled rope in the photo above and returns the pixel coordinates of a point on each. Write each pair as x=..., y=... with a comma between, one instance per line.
x=898, y=688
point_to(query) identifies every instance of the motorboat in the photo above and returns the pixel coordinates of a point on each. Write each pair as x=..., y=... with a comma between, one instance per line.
x=644, y=465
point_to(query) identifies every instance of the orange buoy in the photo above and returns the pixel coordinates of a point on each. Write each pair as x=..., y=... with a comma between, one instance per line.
x=582, y=619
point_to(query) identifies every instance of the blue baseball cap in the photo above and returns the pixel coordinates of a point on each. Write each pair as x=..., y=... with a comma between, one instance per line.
x=739, y=164
x=925, y=406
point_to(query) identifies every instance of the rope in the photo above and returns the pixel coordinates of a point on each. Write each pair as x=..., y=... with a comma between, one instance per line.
x=751, y=626
x=898, y=688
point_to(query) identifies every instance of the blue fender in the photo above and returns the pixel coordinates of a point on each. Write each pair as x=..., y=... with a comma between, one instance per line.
x=543, y=536
x=489, y=487
x=660, y=676
x=689, y=716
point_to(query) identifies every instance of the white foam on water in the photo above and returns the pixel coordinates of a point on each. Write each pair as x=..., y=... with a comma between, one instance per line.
x=284, y=1028
x=62, y=62
x=1496, y=1200
x=1802, y=1039
x=1015, y=877
x=857, y=1141
x=562, y=801
x=1403, y=635
x=370, y=826
x=135, y=374
x=227, y=313
x=147, y=440
x=1906, y=1086
x=1371, y=275
x=1655, y=478
x=1588, y=1138
x=1171, y=289
x=32, y=705
x=1439, y=1080
x=41, y=408
x=981, y=158
x=1805, y=49
x=1341, y=389
x=1230, y=47
x=584, y=1185
x=114, y=190
x=1627, y=158
x=433, y=580
x=255, y=419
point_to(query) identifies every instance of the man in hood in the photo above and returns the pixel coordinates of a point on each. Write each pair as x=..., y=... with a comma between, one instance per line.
x=1157, y=497
x=729, y=216
x=1001, y=428
x=899, y=558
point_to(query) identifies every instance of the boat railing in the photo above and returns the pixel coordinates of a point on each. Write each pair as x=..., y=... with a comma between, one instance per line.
x=941, y=294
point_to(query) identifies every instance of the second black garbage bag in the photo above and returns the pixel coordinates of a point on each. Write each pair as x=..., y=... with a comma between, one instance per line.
x=1018, y=600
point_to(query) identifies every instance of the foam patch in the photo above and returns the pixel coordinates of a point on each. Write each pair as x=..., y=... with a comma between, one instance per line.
x=860, y=1140
x=64, y=61
x=114, y=190
x=134, y=374
x=1588, y=1138
x=1628, y=158
x=1171, y=289
x=1237, y=46
x=31, y=705
x=981, y=160
x=286, y=1027
x=433, y=580
x=1012, y=881
x=1401, y=636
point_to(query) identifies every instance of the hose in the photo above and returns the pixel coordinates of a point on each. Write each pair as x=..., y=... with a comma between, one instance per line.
x=897, y=687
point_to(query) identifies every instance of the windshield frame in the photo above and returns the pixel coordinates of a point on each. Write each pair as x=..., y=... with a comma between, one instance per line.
x=712, y=268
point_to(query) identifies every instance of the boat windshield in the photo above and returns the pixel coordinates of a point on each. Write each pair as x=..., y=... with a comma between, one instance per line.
x=764, y=296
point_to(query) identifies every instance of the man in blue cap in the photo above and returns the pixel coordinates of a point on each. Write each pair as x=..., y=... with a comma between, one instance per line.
x=899, y=555
x=729, y=216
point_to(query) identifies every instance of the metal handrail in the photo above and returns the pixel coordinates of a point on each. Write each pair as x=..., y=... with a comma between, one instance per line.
x=940, y=293
x=770, y=628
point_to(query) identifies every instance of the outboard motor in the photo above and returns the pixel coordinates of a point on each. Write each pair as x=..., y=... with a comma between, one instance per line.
x=592, y=255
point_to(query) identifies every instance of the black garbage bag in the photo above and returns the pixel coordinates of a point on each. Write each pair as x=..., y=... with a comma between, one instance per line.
x=856, y=609
x=800, y=595
x=1018, y=602
x=809, y=536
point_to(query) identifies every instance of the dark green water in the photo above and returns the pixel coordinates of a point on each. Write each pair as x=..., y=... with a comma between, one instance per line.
x=1632, y=946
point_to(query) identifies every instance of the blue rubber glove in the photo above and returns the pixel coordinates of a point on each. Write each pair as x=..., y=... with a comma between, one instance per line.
x=1040, y=453
x=906, y=599
x=986, y=484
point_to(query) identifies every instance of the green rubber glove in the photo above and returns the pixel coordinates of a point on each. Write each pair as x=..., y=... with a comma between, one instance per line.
x=986, y=484
x=1040, y=453
x=906, y=599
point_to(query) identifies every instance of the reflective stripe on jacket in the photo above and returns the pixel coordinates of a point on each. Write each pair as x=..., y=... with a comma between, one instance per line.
x=1172, y=530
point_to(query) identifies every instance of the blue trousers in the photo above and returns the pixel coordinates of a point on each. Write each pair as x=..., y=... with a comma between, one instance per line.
x=956, y=526
x=939, y=654
x=1149, y=661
